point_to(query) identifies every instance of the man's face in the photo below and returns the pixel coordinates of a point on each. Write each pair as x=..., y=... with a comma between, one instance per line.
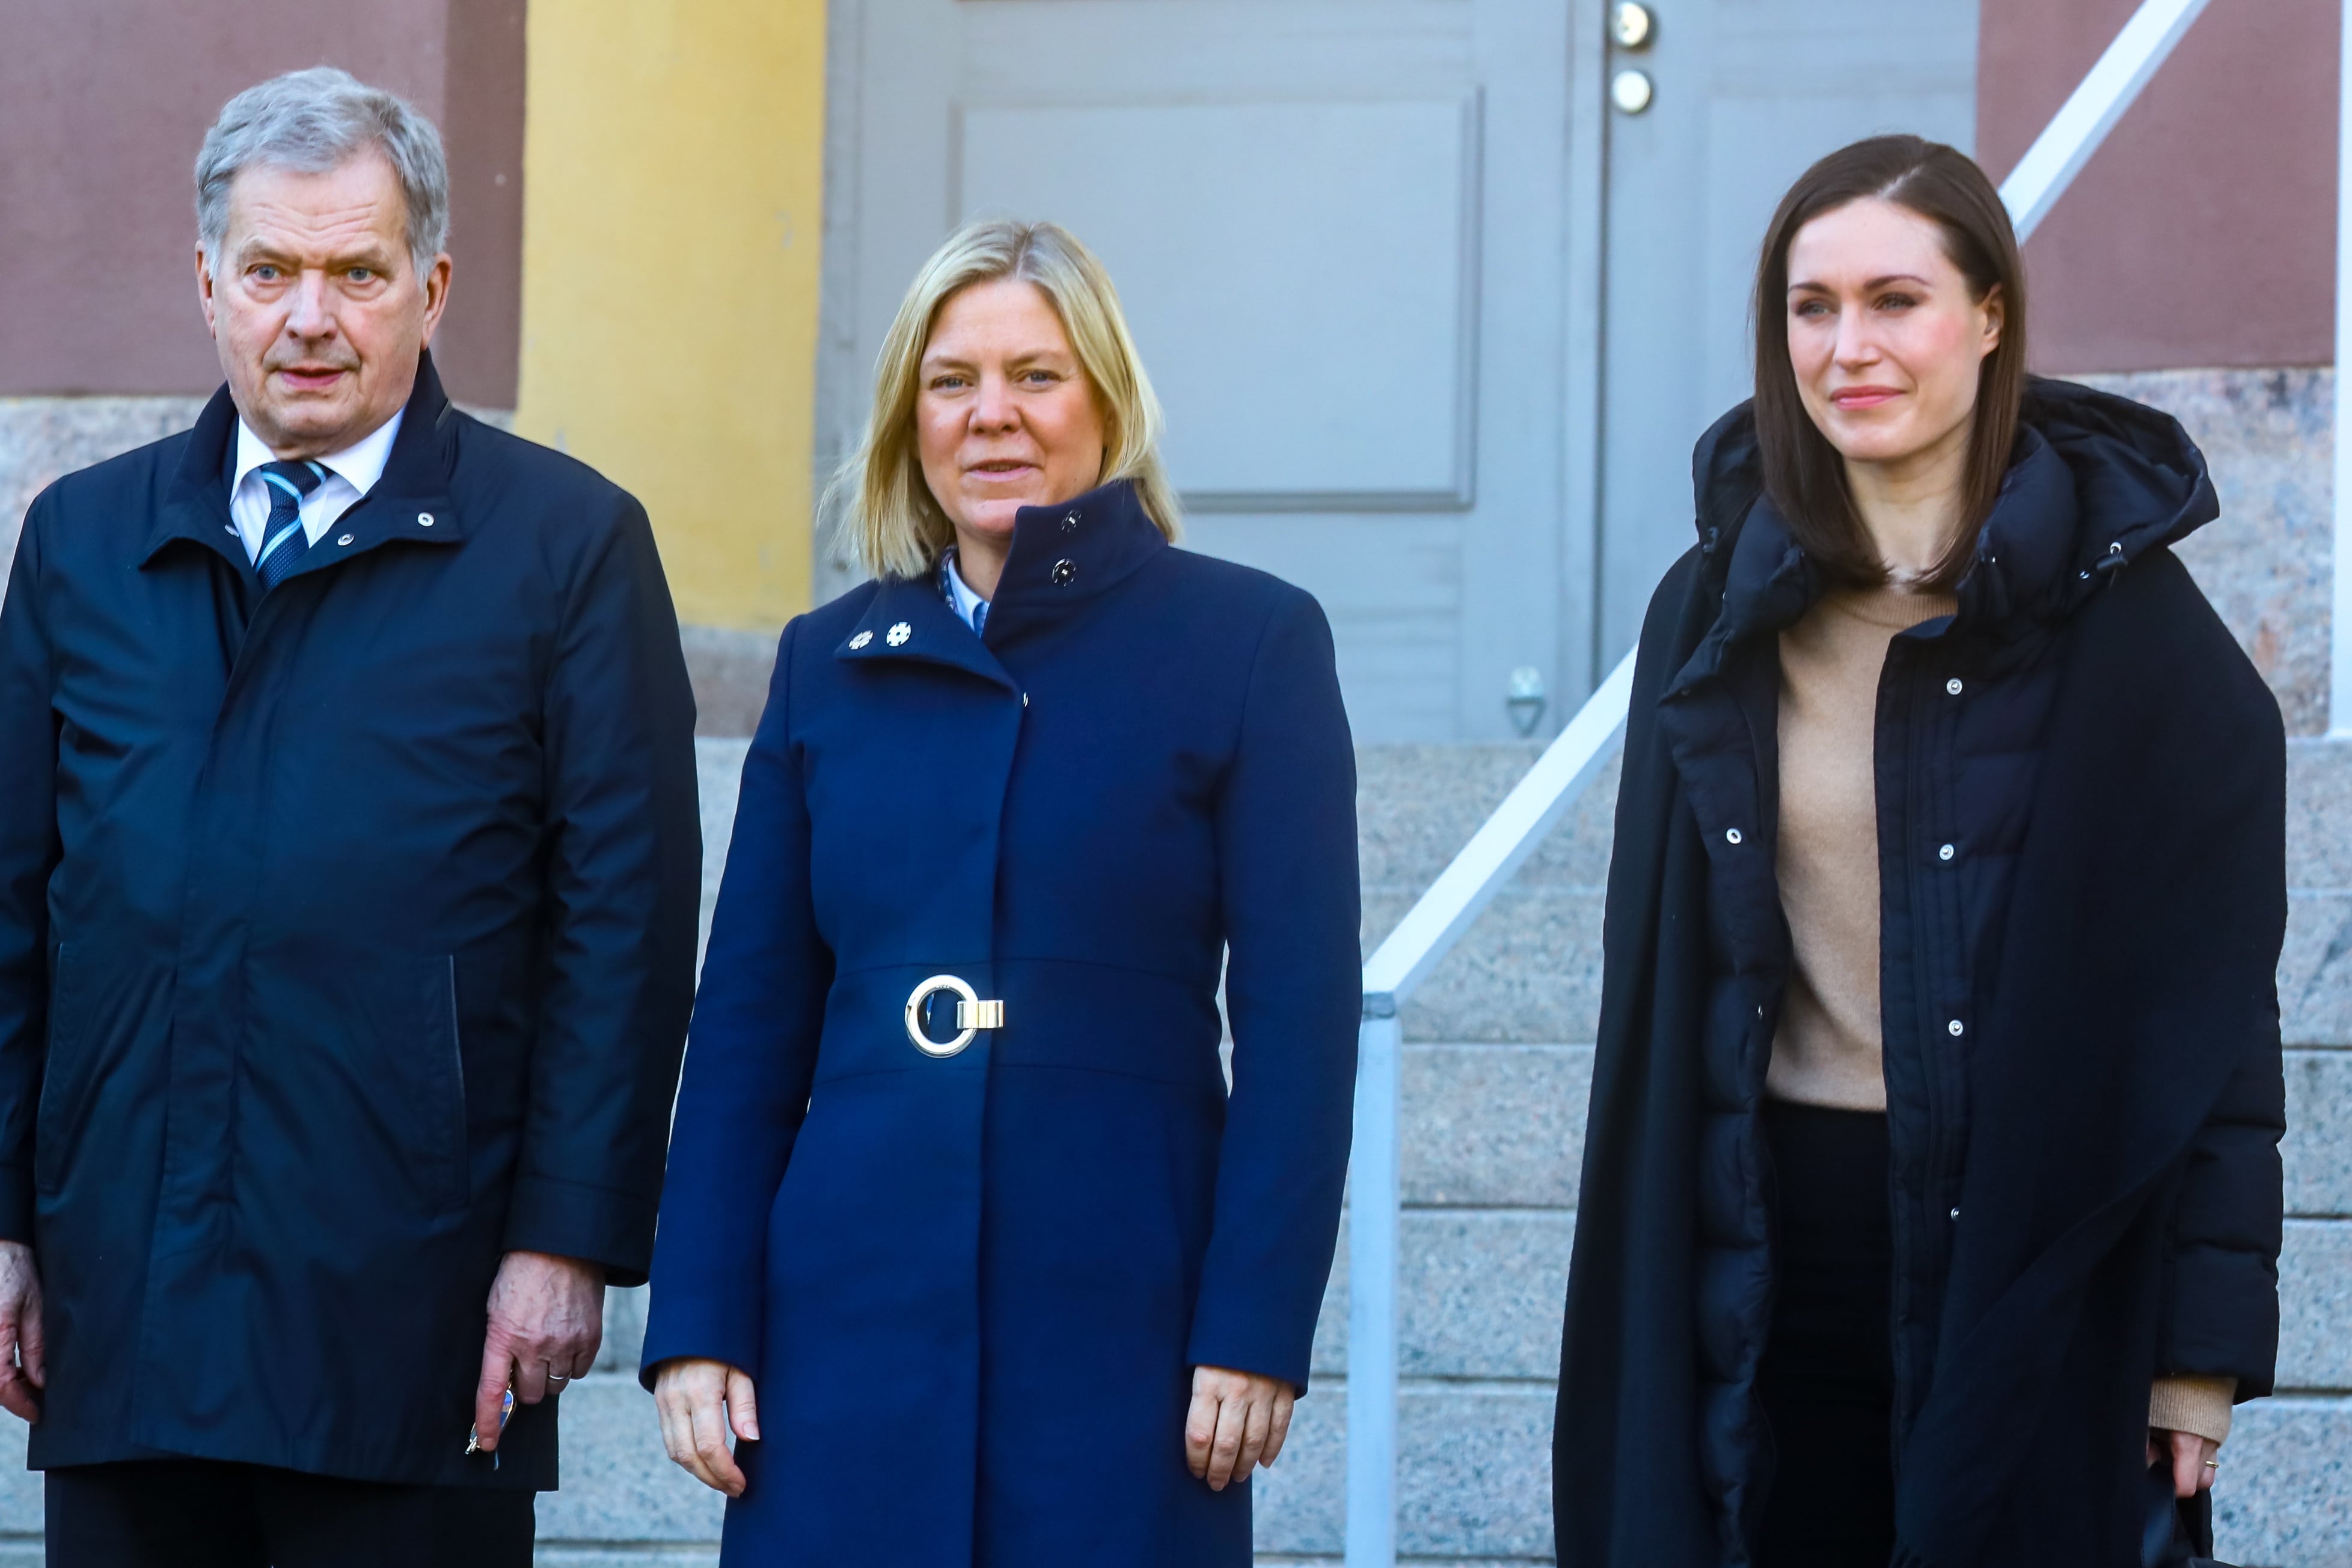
x=317, y=310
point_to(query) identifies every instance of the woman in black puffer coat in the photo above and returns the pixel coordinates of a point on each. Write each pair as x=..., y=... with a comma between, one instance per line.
x=1931, y=1203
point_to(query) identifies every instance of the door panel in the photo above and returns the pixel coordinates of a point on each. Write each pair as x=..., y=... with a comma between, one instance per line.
x=1226, y=266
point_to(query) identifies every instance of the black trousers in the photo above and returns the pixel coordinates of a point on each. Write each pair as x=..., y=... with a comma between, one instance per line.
x=201, y=1513
x=1827, y=1382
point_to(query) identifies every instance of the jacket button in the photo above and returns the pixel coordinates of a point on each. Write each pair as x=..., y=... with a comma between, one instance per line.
x=424, y=519
x=1070, y=523
x=347, y=538
x=1732, y=837
x=1065, y=570
x=1955, y=1213
x=1957, y=1028
x=1945, y=853
x=1953, y=685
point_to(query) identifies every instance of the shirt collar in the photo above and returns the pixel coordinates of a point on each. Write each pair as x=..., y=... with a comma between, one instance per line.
x=960, y=592
x=359, y=465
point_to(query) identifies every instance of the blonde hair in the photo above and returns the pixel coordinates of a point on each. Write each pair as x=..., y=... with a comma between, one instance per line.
x=891, y=523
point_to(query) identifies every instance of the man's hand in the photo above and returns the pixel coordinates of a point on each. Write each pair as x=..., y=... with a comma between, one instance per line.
x=547, y=1318
x=2188, y=1455
x=1238, y=1420
x=700, y=1399
x=22, y=1371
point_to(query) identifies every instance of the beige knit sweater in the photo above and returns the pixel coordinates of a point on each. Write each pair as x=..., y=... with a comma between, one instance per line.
x=1827, y=1049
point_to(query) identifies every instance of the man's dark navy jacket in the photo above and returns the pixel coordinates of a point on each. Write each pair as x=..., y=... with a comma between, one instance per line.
x=346, y=941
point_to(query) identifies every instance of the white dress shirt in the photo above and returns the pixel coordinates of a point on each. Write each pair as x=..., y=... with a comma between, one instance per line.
x=351, y=474
x=967, y=603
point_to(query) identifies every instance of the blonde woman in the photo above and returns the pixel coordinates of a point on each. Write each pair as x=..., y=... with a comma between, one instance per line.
x=966, y=1242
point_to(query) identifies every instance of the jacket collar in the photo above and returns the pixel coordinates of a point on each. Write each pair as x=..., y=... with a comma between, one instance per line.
x=409, y=502
x=1068, y=555
x=1063, y=557
x=908, y=621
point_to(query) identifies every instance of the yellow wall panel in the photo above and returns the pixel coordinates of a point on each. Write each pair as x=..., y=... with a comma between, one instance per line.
x=673, y=189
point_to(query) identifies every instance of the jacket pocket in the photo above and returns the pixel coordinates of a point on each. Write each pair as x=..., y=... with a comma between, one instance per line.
x=55, y=1126
x=438, y=1066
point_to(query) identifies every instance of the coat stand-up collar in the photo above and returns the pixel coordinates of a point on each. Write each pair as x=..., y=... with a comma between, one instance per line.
x=410, y=500
x=1063, y=557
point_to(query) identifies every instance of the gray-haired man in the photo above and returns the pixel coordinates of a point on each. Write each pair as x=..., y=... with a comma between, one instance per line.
x=347, y=867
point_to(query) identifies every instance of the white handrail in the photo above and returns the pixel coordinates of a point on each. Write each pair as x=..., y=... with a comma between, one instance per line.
x=2082, y=122
x=1536, y=804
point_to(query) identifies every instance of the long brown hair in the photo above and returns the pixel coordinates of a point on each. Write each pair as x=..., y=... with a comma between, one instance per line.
x=1802, y=472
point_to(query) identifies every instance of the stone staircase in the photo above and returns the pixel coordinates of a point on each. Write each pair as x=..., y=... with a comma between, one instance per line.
x=1498, y=1067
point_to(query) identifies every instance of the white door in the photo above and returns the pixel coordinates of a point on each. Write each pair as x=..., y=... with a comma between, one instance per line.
x=1337, y=226
x=1434, y=326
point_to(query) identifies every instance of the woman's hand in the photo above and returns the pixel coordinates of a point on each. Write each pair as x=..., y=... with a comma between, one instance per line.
x=2191, y=1458
x=699, y=1401
x=1238, y=1420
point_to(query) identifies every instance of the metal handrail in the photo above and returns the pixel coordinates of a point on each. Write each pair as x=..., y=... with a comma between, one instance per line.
x=1537, y=803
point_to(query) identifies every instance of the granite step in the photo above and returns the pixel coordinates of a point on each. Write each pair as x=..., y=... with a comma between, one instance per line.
x=1493, y=1140
x=1474, y=1480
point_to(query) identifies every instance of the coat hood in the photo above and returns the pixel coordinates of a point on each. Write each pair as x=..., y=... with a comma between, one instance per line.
x=2095, y=482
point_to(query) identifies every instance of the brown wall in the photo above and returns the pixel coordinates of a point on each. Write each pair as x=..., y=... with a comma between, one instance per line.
x=102, y=105
x=2203, y=234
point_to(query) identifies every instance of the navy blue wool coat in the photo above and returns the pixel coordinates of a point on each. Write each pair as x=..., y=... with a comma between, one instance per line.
x=971, y=1290
x=346, y=941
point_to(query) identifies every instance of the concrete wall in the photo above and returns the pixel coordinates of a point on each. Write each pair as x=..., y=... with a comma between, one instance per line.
x=675, y=154
x=2203, y=234
x=103, y=106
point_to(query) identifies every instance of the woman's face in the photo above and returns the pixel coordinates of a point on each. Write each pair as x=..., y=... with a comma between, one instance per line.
x=1885, y=335
x=1005, y=418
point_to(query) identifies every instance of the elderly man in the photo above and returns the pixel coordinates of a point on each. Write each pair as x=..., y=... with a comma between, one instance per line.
x=349, y=859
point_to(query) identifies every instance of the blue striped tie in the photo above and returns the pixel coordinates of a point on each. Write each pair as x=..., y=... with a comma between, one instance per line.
x=283, y=541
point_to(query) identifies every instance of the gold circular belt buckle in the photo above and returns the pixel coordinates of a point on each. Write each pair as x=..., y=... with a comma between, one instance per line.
x=972, y=1015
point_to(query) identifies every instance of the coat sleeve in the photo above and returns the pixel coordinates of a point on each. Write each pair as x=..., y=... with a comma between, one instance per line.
x=1287, y=853
x=748, y=1068
x=28, y=856
x=2219, y=1315
x=2222, y=1307
x=622, y=882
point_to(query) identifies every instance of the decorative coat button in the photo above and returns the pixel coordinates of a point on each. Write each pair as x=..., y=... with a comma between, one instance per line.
x=861, y=639
x=1070, y=523
x=424, y=519
x=1945, y=853
x=1732, y=837
x=897, y=634
x=346, y=539
x=1953, y=685
x=1957, y=1028
x=1064, y=571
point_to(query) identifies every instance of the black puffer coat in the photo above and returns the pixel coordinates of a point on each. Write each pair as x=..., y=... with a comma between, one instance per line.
x=2081, y=804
